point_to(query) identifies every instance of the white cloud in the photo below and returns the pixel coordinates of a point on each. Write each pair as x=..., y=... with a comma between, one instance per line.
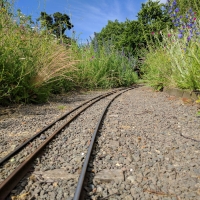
x=161, y=1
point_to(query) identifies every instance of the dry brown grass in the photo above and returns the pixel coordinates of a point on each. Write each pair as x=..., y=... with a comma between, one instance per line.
x=55, y=64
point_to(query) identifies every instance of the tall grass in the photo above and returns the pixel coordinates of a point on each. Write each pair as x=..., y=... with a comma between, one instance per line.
x=29, y=61
x=33, y=64
x=103, y=67
x=175, y=62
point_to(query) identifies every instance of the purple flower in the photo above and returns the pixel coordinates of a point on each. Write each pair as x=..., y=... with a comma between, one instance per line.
x=177, y=10
x=190, y=10
x=189, y=25
x=180, y=35
x=170, y=11
x=188, y=38
x=174, y=3
x=192, y=13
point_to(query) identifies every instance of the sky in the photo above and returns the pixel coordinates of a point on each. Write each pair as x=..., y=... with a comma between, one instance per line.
x=87, y=16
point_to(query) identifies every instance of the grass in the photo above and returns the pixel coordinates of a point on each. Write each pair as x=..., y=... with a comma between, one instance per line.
x=33, y=64
x=174, y=62
x=29, y=61
x=61, y=107
x=103, y=67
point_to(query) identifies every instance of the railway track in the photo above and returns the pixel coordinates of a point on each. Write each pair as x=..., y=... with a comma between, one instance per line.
x=26, y=161
x=147, y=147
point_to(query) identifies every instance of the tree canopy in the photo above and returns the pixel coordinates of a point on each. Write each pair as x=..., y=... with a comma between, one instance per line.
x=131, y=35
x=57, y=23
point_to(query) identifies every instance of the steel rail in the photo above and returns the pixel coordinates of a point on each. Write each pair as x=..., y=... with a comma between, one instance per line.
x=13, y=179
x=78, y=191
x=20, y=147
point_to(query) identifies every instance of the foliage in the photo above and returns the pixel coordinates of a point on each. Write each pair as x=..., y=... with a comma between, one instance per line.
x=102, y=67
x=56, y=24
x=153, y=18
x=186, y=5
x=29, y=61
x=112, y=32
x=132, y=38
x=131, y=35
x=173, y=64
x=33, y=64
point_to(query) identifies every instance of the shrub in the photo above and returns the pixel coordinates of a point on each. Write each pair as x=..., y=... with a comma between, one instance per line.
x=29, y=61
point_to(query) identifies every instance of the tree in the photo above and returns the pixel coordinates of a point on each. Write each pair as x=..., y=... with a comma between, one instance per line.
x=112, y=31
x=132, y=38
x=2, y=3
x=153, y=18
x=61, y=24
x=56, y=24
x=133, y=35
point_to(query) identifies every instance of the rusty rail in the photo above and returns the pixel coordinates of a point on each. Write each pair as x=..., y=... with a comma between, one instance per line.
x=13, y=179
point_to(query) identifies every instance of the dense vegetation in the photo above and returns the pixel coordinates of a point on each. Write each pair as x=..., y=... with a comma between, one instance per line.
x=36, y=62
x=175, y=61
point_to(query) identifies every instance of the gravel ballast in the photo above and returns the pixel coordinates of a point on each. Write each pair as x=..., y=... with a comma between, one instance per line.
x=154, y=139
x=148, y=148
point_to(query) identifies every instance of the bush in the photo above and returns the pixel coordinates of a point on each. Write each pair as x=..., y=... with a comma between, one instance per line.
x=29, y=61
x=175, y=61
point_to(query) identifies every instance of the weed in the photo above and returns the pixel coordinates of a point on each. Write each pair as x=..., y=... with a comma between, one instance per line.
x=30, y=60
x=175, y=61
x=61, y=107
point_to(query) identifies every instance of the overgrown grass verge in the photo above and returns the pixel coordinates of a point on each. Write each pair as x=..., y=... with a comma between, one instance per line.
x=103, y=67
x=33, y=64
x=174, y=63
x=29, y=62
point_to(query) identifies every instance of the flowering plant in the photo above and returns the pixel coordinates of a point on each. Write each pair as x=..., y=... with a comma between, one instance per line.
x=186, y=24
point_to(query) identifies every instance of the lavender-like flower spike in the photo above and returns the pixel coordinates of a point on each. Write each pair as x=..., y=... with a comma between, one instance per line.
x=176, y=10
x=174, y=3
x=180, y=35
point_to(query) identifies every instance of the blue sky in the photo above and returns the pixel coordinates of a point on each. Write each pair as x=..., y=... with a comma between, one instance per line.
x=87, y=16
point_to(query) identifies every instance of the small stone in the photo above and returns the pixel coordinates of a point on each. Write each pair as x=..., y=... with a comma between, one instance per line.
x=136, y=158
x=58, y=174
x=132, y=179
x=127, y=187
x=133, y=191
x=128, y=197
x=114, y=144
x=109, y=175
x=99, y=189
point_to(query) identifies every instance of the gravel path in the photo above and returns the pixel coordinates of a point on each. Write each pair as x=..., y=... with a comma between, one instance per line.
x=140, y=153
x=148, y=148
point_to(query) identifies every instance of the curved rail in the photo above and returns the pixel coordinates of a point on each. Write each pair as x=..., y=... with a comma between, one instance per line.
x=78, y=191
x=13, y=179
x=20, y=147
